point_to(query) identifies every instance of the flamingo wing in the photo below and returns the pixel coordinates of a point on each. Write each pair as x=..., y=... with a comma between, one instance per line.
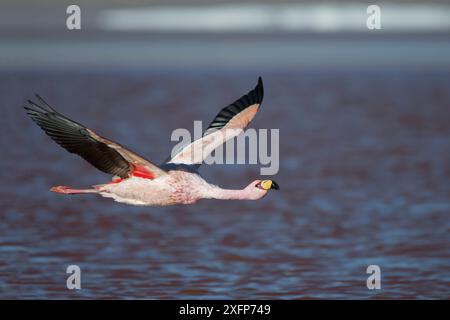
x=229, y=122
x=107, y=156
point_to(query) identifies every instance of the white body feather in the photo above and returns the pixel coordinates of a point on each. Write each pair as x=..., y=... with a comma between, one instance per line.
x=176, y=187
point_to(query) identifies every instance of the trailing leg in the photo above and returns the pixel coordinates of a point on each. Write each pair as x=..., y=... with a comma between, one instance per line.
x=68, y=190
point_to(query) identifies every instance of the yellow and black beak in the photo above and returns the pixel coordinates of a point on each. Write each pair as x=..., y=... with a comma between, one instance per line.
x=269, y=184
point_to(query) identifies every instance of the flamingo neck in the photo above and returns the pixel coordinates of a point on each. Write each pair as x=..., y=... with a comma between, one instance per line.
x=229, y=194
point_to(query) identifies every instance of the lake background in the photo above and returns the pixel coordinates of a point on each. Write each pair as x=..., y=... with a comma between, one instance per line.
x=364, y=119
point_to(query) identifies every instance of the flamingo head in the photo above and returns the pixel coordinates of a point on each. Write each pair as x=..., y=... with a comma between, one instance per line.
x=259, y=188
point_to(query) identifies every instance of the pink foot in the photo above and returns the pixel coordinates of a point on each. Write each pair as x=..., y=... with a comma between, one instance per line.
x=68, y=190
x=62, y=189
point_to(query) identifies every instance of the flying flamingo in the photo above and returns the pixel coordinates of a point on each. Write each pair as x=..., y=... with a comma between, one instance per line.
x=137, y=181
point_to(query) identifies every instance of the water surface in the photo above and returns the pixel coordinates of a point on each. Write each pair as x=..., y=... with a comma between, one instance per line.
x=364, y=176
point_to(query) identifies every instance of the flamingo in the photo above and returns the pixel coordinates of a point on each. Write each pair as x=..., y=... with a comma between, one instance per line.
x=137, y=181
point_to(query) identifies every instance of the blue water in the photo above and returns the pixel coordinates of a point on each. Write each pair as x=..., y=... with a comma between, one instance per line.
x=364, y=177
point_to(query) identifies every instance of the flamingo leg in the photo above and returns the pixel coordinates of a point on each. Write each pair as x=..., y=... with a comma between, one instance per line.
x=68, y=190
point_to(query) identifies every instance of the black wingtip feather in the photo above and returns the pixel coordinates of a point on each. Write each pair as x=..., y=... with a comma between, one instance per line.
x=255, y=96
x=44, y=104
x=75, y=138
x=33, y=106
x=259, y=90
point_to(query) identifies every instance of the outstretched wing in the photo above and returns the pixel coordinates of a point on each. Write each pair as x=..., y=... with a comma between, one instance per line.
x=105, y=155
x=229, y=122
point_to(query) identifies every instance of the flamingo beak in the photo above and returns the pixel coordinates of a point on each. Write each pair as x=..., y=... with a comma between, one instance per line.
x=269, y=184
x=275, y=186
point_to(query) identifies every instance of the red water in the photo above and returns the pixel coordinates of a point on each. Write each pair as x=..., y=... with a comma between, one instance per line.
x=364, y=177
